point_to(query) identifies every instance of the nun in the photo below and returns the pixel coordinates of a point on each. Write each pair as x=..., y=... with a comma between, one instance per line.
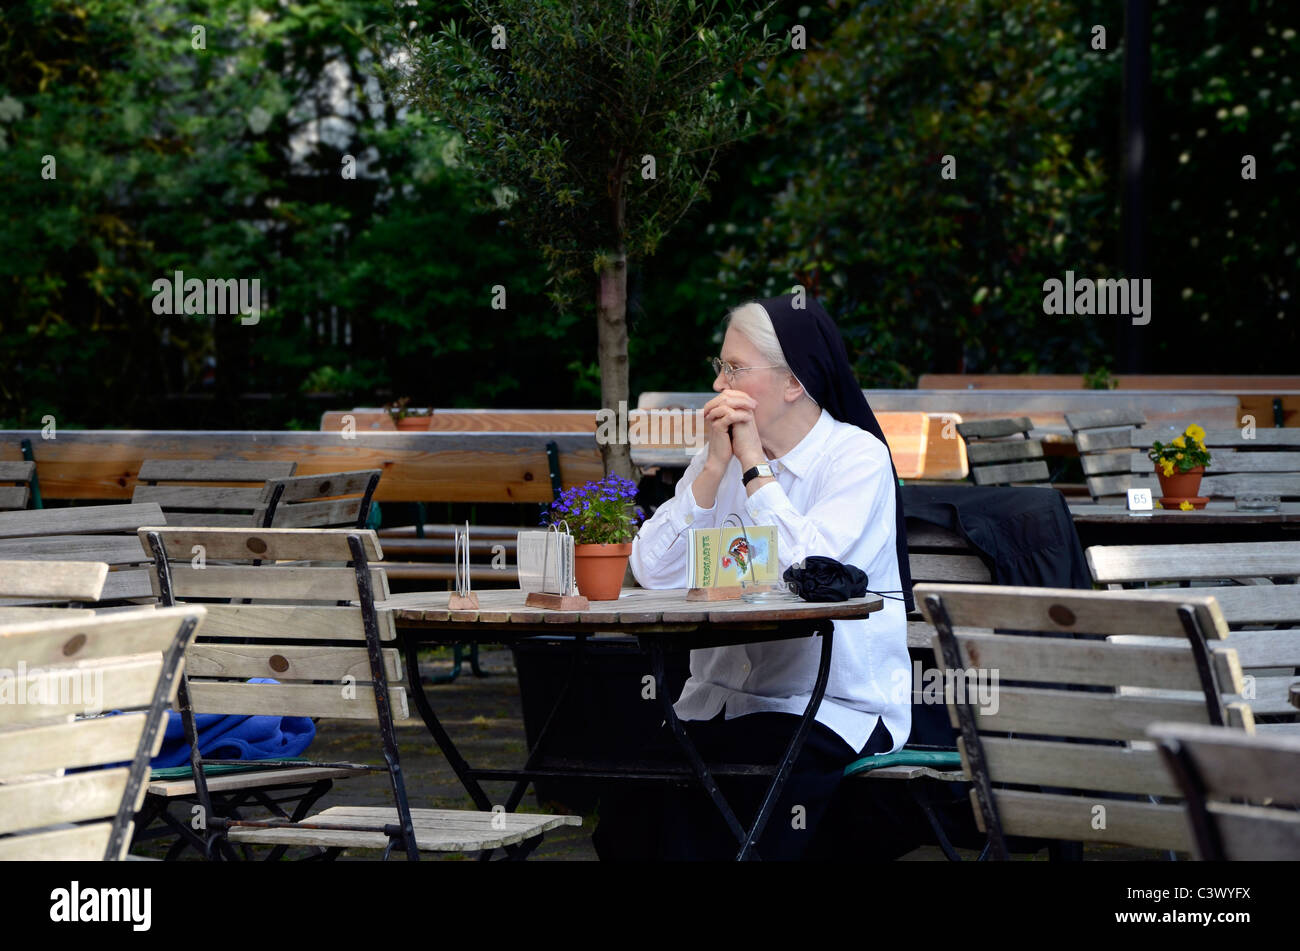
x=791, y=443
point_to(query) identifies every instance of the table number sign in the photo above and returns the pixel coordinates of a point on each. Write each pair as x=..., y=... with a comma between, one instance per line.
x=1139, y=501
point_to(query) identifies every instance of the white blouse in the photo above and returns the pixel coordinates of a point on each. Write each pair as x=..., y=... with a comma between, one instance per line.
x=833, y=495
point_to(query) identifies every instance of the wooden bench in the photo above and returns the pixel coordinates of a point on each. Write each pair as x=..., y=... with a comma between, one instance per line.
x=126, y=662
x=1272, y=400
x=456, y=467
x=1242, y=575
x=924, y=445
x=1002, y=453
x=1089, y=744
x=346, y=671
x=1045, y=409
x=1266, y=461
x=1214, y=769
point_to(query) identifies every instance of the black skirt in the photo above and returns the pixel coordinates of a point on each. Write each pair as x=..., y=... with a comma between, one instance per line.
x=669, y=822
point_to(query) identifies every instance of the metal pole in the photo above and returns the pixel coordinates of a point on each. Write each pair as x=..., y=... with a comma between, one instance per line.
x=1134, y=138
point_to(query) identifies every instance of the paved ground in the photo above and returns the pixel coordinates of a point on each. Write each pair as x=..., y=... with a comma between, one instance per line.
x=484, y=716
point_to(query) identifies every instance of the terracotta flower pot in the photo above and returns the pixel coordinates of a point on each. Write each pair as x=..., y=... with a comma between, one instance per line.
x=600, y=569
x=413, y=423
x=1181, y=485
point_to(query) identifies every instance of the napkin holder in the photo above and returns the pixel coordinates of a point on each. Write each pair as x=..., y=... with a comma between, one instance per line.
x=559, y=589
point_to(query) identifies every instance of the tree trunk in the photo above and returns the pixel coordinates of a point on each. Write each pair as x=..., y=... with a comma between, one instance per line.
x=611, y=345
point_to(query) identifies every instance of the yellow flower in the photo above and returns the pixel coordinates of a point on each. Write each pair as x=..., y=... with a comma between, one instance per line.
x=1178, y=455
x=1158, y=505
x=1167, y=467
x=1196, y=432
x=1186, y=506
x=1180, y=442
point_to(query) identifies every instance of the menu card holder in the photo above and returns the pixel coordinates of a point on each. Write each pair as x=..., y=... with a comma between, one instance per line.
x=464, y=599
x=546, y=566
x=723, y=592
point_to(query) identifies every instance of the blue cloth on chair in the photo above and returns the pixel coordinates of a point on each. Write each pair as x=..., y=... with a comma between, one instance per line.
x=235, y=736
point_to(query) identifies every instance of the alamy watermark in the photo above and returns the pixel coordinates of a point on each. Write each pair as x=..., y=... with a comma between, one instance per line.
x=1123, y=297
x=63, y=686
x=216, y=297
x=651, y=427
x=977, y=686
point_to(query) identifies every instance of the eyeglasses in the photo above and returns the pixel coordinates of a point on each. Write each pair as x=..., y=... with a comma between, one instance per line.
x=730, y=370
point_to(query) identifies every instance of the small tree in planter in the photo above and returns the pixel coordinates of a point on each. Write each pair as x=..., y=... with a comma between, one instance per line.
x=601, y=122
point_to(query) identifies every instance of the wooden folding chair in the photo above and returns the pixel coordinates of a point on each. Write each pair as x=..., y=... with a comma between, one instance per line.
x=1215, y=766
x=996, y=459
x=1072, y=723
x=68, y=672
x=315, y=629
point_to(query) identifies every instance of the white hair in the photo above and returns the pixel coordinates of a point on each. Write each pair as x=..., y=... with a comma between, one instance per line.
x=753, y=322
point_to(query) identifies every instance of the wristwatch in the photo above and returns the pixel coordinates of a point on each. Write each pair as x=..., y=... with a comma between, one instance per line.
x=760, y=471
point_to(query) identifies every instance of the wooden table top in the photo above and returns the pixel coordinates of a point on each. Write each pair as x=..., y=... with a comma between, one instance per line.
x=1214, y=513
x=637, y=607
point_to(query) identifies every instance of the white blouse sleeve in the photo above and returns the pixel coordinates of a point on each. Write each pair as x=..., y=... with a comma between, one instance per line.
x=854, y=510
x=660, y=548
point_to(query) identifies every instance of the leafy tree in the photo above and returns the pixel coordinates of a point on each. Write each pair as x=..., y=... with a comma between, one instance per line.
x=603, y=121
x=928, y=271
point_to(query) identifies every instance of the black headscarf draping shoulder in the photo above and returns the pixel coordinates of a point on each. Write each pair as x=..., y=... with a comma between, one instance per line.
x=815, y=351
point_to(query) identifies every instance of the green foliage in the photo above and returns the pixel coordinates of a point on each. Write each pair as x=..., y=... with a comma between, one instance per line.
x=225, y=162
x=564, y=105
x=1224, y=264
x=1100, y=379
x=928, y=273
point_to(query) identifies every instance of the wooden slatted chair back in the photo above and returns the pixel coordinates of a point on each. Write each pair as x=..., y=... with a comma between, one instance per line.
x=1105, y=440
x=60, y=675
x=277, y=607
x=313, y=628
x=16, y=484
x=1256, y=588
x=97, y=533
x=1216, y=768
x=1075, y=717
x=336, y=499
x=1001, y=453
x=205, y=492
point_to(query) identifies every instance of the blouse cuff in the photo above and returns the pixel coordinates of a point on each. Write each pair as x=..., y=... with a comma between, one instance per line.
x=766, y=501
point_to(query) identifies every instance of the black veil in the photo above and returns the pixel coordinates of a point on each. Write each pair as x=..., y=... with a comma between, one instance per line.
x=815, y=352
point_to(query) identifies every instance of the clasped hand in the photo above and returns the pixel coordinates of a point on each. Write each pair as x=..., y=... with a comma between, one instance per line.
x=731, y=429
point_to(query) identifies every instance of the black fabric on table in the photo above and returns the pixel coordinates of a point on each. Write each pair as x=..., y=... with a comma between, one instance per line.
x=1025, y=536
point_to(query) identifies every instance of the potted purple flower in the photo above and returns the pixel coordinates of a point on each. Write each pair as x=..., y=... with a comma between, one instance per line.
x=603, y=518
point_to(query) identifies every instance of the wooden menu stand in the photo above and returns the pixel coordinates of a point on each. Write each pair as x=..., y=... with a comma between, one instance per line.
x=463, y=602
x=728, y=593
x=556, y=602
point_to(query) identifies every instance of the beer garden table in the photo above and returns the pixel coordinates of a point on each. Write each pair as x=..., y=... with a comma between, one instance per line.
x=661, y=621
x=1219, y=521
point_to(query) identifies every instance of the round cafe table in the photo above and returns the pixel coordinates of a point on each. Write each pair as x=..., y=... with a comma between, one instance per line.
x=661, y=621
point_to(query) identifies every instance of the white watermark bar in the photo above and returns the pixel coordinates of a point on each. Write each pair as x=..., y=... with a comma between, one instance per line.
x=37, y=686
